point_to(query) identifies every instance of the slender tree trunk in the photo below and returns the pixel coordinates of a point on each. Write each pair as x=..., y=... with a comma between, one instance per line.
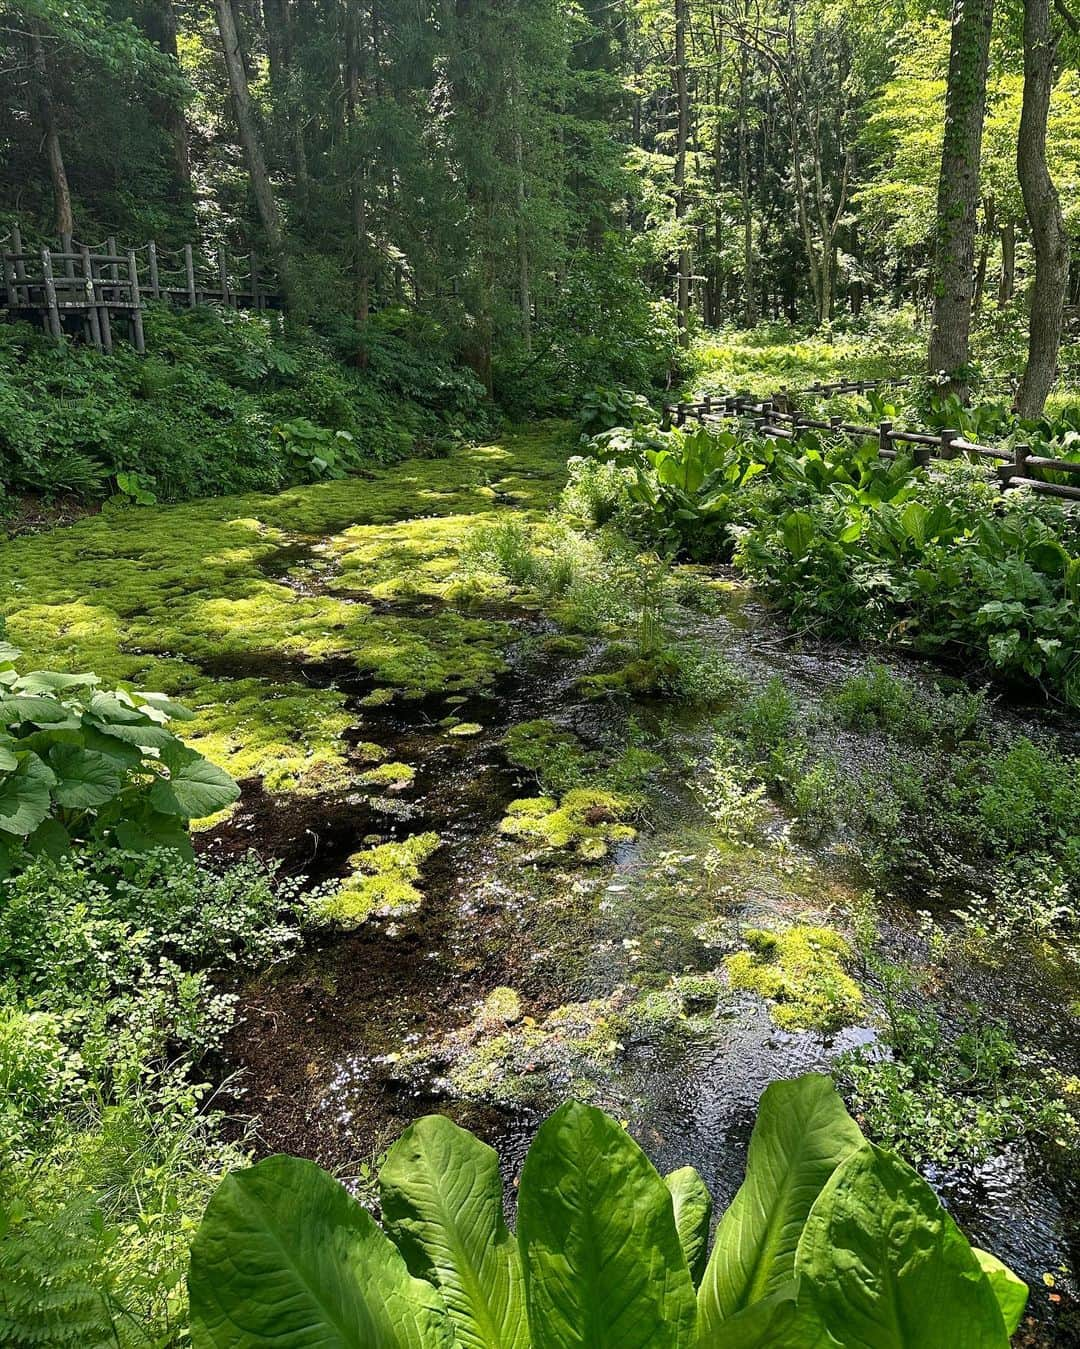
x=1043, y=207
x=354, y=71
x=517, y=113
x=682, y=97
x=958, y=187
x=252, y=146
x=750, y=315
x=1007, y=284
x=984, y=255
x=46, y=117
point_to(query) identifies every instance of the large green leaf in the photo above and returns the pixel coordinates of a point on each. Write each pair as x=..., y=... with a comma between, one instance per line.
x=776, y=1322
x=603, y=1265
x=25, y=796
x=798, y=530
x=29, y=707
x=51, y=681
x=1010, y=1290
x=885, y=1267
x=692, y=1203
x=802, y=1134
x=285, y=1256
x=84, y=778
x=194, y=788
x=442, y=1202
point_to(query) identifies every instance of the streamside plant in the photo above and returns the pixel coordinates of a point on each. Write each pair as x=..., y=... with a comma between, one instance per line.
x=80, y=765
x=830, y=1242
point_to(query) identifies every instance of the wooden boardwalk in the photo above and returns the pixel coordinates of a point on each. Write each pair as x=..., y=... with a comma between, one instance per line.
x=79, y=290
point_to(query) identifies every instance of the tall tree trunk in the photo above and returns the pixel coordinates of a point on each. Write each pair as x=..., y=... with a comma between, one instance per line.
x=354, y=74
x=749, y=292
x=1007, y=284
x=252, y=146
x=524, y=293
x=1048, y=237
x=288, y=118
x=958, y=187
x=682, y=98
x=159, y=24
x=46, y=117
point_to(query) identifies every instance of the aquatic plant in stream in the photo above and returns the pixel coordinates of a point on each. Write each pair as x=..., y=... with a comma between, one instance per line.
x=607, y=1255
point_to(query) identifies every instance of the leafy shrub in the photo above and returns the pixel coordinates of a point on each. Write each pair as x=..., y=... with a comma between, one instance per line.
x=605, y=409
x=856, y=547
x=607, y=1252
x=312, y=453
x=113, y=990
x=80, y=764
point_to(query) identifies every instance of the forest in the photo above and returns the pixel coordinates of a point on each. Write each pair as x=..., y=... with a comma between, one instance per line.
x=539, y=674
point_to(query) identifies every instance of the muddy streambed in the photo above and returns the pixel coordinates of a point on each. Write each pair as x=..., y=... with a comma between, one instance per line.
x=526, y=976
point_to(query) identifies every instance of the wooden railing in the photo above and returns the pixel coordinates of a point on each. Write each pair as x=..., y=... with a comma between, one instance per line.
x=86, y=288
x=775, y=418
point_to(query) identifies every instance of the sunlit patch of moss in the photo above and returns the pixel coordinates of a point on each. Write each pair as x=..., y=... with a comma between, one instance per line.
x=378, y=698
x=368, y=752
x=465, y=729
x=501, y=1007
x=800, y=972
x=177, y=595
x=388, y=775
x=288, y=734
x=383, y=883
x=586, y=819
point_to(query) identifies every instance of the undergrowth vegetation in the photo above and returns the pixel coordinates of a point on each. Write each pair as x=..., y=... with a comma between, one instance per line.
x=855, y=547
x=224, y=401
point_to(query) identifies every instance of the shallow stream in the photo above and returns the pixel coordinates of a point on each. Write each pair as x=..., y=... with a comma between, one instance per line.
x=337, y=1050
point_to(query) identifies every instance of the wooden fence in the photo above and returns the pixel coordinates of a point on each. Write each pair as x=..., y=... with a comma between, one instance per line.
x=82, y=289
x=775, y=417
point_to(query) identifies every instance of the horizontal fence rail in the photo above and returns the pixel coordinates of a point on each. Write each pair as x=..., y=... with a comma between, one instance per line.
x=774, y=417
x=82, y=288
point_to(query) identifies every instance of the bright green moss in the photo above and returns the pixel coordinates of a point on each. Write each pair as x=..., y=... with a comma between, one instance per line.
x=586, y=819
x=800, y=972
x=382, y=884
x=388, y=775
x=178, y=598
x=465, y=729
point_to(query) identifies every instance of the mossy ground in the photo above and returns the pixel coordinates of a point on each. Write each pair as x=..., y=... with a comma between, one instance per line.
x=184, y=599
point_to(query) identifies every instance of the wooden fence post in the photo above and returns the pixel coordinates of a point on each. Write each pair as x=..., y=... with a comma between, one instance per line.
x=947, y=438
x=114, y=270
x=885, y=438
x=680, y=414
x=91, y=298
x=189, y=272
x=152, y=262
x=137, y=334
x=20, y=267
x=50, y=295
x=256, y=298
